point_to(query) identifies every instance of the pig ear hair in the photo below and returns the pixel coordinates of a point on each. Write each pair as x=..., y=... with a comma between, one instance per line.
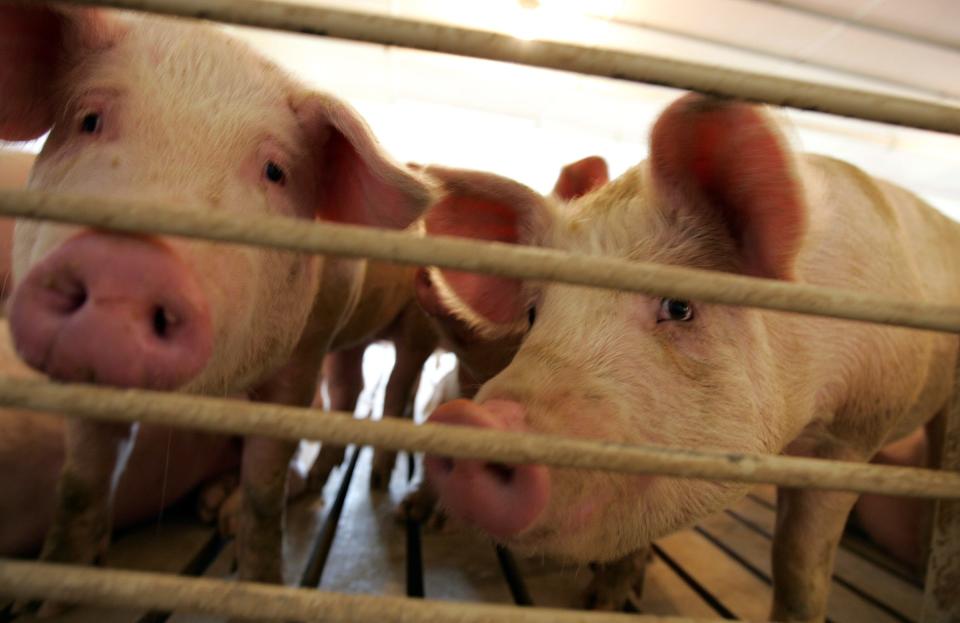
x=482, y=206
x=40, y=43
x=727, y=158
x=357, y=182
x=581, y=177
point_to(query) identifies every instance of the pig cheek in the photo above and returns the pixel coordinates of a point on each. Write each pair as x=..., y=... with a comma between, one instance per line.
x=34, y=240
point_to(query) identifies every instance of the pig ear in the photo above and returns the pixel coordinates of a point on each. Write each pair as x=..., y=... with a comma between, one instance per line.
x=356, y=182
x=581, y=177
x=726, y=158
x=37, y=45
x=488, y=207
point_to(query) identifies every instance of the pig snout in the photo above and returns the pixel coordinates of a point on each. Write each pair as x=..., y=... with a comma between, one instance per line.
x=112, y=309
x=502, y=500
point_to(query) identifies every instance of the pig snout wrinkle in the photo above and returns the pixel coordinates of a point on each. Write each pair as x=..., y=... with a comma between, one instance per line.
x=112, y=309
x=503, y=500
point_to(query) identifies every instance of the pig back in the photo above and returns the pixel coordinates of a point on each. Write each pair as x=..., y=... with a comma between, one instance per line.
x=874, y=382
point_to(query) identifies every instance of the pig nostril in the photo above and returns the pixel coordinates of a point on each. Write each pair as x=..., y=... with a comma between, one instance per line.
x=69, y=295
x=163, y=322
x=503, y=473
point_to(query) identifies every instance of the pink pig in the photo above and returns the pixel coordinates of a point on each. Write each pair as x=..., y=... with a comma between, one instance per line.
x=392, y=307
x=173, y=111
x=720, y=191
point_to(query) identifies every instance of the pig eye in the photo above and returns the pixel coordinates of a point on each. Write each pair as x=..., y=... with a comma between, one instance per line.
x=274, y=173
x=532, y=315
x=91, y=123
x=676, y=310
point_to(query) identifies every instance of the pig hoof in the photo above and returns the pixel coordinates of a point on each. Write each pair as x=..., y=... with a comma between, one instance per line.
x=228, y=518
x=214, y=495
x=421, y=506
x=607, y=598
x=381, y=470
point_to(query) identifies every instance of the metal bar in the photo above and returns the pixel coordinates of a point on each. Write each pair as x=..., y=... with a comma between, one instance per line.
x=941, y=602
x=494, y=258
x=246, y=418
x=450, y=39
x=247, y=600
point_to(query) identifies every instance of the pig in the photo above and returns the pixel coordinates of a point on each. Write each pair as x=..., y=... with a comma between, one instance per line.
x=481, y=355
x=720, y=191
x=394, y=306
x=174, y=111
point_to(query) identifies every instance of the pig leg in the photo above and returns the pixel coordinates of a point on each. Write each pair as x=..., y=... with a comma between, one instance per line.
x=421, y=505
x=615, y=582
x=343, y=374
x=809, y=526
x=414, y=347
x=97, y=453
x=263, y=502
x=222, y=500
x=264, y=473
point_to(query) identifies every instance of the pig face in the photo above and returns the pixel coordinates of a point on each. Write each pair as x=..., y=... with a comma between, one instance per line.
x=166, y=110
x=717, y=193
x=482, y=349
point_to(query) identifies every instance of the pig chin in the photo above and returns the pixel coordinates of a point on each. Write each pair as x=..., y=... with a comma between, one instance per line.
x=606, y=526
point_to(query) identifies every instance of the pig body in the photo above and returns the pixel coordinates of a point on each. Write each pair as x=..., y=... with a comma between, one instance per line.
x=720, y=191
x=167, y=110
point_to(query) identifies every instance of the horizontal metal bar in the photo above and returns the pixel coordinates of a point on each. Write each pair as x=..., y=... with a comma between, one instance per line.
x=494, y=258
x=248, y=600
x=450, y=39
x=247, y=418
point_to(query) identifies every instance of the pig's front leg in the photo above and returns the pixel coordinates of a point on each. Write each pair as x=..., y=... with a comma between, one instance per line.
x=343, y=375
x=96, y=455
x=615, y=582
x=414, y=346
x=809, y=526
x=263, y=479
x=263, y=502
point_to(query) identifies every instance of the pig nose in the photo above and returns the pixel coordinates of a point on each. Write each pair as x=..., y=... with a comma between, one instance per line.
x=502, y=500
x=112, y=309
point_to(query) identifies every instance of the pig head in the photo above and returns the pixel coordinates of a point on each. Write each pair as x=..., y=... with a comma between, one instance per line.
x=720, y=191
x=167, y=110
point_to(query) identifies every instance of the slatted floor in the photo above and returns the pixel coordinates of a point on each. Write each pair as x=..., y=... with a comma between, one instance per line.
x=348, y=540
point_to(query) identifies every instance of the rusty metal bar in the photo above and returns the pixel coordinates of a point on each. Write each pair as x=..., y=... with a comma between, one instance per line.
x=485, y=257
x=270, y=420
x=941, y=603
x=449, y=39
